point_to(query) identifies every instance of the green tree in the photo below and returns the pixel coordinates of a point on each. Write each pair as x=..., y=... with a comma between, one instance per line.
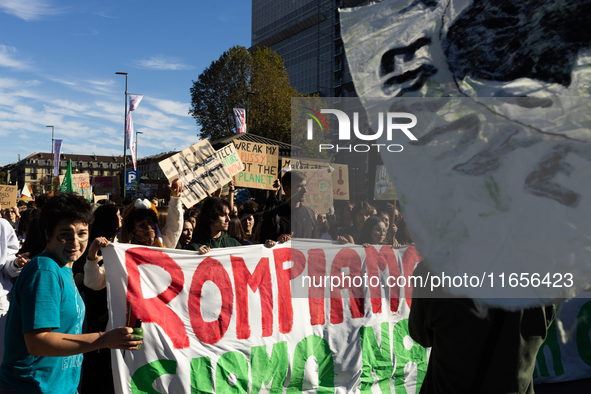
x=224, y=86
x=220, y=88
x=2, y=178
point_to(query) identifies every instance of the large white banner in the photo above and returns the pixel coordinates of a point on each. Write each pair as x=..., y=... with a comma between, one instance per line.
x=239, y=320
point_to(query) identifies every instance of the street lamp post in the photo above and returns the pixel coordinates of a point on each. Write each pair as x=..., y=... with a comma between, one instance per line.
x=124, y=139
x=52, y=161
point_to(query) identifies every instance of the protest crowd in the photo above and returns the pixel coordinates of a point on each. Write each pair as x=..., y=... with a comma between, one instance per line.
x=63, y=234
x=51, y=264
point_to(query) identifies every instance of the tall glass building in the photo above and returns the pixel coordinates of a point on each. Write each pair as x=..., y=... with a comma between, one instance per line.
x=307, y=35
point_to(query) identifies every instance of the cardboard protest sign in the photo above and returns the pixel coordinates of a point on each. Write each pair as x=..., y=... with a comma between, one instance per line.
x=107, y=185
x=80, y=184
x=260, y=165
x=340, y=175
x=340, y=181
x=498, y=172
x=8, y=194
x=203, y=325
x=384, y=188
x=319, y=190
x=200, y=170
x=230, y=159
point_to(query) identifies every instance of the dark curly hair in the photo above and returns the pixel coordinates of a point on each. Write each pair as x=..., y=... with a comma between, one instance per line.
x=365, y=237
x=212, y=209
x=62, y=206
x=106, y=222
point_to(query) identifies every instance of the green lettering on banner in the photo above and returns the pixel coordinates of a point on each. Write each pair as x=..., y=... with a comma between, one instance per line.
x=377, y=359
x=316, y=346
x=583, y=331
x=143, y=379
x=552, y=343
x=201, y=376
x=231, y=363
x=265, y=370
x=416, y=354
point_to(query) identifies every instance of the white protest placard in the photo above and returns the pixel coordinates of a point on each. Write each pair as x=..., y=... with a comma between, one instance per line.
x=199, y=168
x=230, y=159
x=499, y=170
x=238, y=312
x=97, y=197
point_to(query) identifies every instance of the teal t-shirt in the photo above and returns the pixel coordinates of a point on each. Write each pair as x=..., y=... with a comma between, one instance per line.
x=44, y=296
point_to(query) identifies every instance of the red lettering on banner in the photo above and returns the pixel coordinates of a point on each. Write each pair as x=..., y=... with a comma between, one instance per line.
x=259, y=280
x=375, y=263
x=316, y=272
x=155, y=310
x=409, y=261
x=346, y=258
x=284, y=276
x=210, y=270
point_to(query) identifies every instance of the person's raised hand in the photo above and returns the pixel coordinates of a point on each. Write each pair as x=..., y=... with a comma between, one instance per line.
x=95, y=246
x=176, y=188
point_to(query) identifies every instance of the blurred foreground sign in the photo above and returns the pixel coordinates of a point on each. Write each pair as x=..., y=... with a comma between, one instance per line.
x=498, y=181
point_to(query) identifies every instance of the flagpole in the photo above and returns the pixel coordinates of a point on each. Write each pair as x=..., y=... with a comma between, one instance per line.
x=124, y=139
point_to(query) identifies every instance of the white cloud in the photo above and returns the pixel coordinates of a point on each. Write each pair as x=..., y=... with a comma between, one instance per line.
x=159, y=62
x=70, y=105
x=105, y=15
x=169, y=106
x=28, y=9
x=7, y=59
x=11, y=83
x=62, y=81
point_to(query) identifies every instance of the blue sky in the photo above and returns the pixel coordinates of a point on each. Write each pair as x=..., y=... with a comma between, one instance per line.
x=58, y=61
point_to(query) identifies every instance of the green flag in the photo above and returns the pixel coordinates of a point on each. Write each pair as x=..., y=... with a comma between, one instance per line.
x=67, y=185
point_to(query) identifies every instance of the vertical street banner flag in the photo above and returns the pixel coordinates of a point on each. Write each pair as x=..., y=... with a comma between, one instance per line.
x=240, y=116
x=134, y=101
x=133, y=158
x=57, y=152
x=67, y=185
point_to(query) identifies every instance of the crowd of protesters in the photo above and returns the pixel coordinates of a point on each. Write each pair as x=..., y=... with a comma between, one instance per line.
x=57, y=312
x=55, y=243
